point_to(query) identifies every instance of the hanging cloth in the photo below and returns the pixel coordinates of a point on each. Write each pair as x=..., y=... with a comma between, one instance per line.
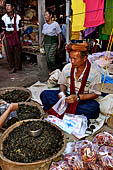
x=107, y=27
x=102, y=36
x=78, y=7
x=71, y=108
x=94, y=15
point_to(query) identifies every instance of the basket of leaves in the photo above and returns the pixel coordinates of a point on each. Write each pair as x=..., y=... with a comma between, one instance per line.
x=26, y=110
x=15, y=94
x=20, y=150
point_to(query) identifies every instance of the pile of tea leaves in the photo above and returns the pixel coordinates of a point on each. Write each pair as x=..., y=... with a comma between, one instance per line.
x=24, y=112
x=28, y=112
x=15, y=96
x=19, y=146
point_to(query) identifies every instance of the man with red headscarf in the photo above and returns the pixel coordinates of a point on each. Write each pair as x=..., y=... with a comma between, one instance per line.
x=76, y=82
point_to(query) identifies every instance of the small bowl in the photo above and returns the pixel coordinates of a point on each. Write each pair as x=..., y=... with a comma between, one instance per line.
x=36, y=133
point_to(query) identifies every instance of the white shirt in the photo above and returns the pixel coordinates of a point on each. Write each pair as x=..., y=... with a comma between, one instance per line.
x=51, y=29
x=9, y=23
x=93, y=78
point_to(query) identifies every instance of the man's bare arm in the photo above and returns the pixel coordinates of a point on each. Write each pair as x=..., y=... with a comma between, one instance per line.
x=73, y=98
x=12, y=107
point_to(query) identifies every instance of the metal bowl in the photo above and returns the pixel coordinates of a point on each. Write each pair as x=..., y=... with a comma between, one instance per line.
x=36, y=133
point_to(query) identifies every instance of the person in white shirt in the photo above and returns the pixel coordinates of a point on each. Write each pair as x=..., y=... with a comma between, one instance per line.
x=51, y=38
x=11, y=25
x=76, y=82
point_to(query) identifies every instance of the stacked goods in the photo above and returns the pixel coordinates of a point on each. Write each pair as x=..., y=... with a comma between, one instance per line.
x=33, y=48
x=20, y=150
x=86, y=155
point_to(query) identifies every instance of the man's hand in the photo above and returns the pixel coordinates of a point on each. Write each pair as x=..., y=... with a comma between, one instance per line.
x=71, y=99
x=13, y=107
x=58, y=46
x=68, y=47
x=61, y=94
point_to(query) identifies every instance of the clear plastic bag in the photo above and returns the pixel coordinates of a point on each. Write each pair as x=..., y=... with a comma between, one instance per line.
x=103, y=138
x=60, y=106
x=86, y=150
x=61, y=165
x=74, y=161
x=95, y=166
x=106, y=156
x=107, y=161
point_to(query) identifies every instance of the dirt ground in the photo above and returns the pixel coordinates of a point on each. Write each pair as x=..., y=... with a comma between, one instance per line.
x=31, y=73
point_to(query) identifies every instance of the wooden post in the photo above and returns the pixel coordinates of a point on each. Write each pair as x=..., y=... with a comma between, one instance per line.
x=67, y=26
x=41, y=12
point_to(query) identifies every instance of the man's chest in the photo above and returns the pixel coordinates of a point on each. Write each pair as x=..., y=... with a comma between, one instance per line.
x=9, y=22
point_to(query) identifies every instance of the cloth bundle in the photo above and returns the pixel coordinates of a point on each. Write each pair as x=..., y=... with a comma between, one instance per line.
x=77, y=47
x=53, y=79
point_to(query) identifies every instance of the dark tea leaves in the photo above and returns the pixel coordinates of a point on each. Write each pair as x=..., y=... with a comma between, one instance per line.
x=15, y=96
x=19, y=146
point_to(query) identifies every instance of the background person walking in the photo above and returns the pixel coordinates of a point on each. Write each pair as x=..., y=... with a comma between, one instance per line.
x=51, y=38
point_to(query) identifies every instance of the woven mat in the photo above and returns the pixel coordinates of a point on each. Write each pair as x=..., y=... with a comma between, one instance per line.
x=36, y=90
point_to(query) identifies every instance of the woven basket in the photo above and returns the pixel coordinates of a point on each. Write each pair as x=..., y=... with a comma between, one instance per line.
x=9, y=89
x=110, y=122
x=106, y=88
x=7, y=164
x=33, y=103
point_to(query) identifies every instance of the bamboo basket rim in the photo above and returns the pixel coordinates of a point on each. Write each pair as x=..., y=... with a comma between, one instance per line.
x=105, y=114
x=6, y=89
x=33, y=103
x=109, y=122
x=40, y=162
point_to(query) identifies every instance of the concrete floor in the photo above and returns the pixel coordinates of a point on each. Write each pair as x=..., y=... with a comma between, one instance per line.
x=30, y=73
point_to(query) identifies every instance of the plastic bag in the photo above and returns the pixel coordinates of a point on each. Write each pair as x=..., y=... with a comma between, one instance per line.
x=106, y=150
x=87, y=150
x=105, y=154
x=60, y=106
x=42, y=50
x=107, y=161
x=69, y=148
x=61, y=165
x=95, y=166
x=103, y=138
x=1, y=56
x=74, y=161
x=106, y=101
x=53, y=79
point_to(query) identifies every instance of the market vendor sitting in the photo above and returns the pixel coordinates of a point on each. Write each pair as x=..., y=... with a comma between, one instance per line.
x=76, y=82
x=7, y=111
